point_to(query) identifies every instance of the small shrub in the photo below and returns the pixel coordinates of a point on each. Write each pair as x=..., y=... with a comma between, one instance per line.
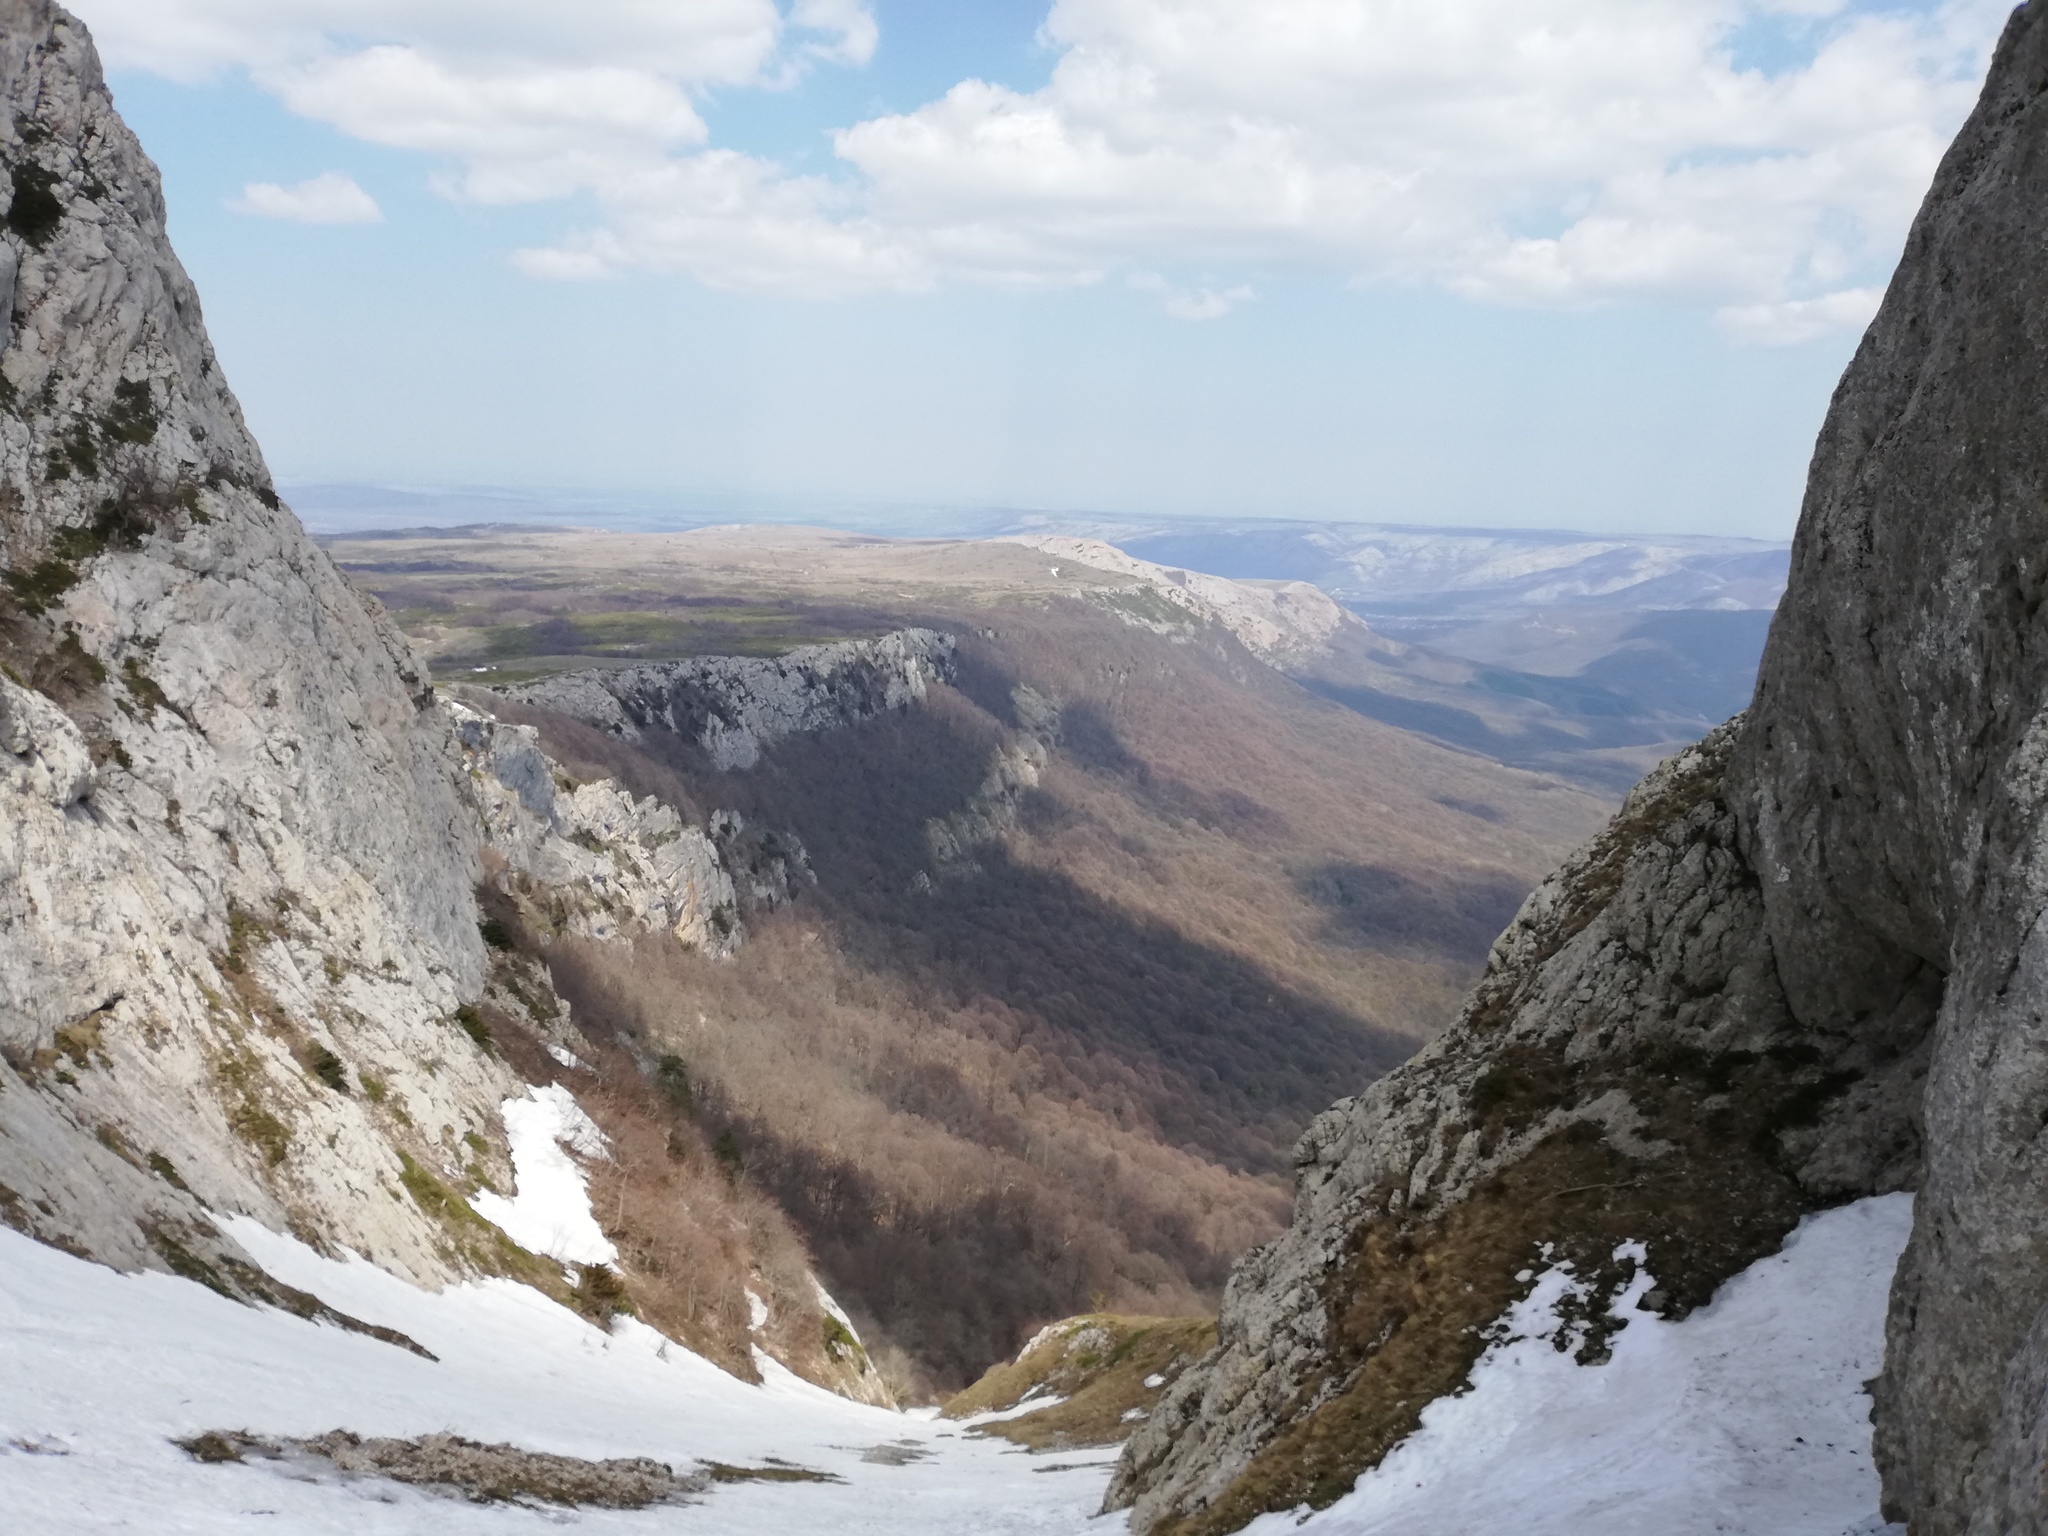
x=840, y=1344
x=328, y=1068
x=674, y=1077
x=36, y=210
x=473, y=1025
x=41, y=586
x=497, y=934
x=262, y=1130
x=166, y=1170
x=144, y=687
x=727, y=1150
x=211, y=1447
x=373, y=1087
x=600, y=1293
x=132, y=419
x=80, y=1041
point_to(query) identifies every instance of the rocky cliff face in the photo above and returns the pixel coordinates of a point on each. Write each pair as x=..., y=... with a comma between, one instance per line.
x=233, y=836
x=733, y=706
x=1895, y=780
x=1805, y=963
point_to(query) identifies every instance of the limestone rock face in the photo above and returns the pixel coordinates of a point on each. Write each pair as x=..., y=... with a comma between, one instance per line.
x=615, y=864
x=1896, y=780
x=1806, y=963
x=233, y=839
x=733, y=706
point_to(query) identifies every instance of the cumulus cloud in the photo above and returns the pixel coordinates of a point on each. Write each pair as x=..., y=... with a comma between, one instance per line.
x=1756, y=157
x=331, y=198
x=1797, y=320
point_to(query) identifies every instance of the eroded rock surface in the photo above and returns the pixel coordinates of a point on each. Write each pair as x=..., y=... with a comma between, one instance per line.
x=733, y=706
x=234, y=843
x=616, y=863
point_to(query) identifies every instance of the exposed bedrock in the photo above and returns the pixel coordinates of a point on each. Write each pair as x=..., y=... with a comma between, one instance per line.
x=733, y=706
x=1806, y=963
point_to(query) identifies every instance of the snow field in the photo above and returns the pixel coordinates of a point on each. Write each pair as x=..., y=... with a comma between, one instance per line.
x=1747, y=1418
x=100, y=1370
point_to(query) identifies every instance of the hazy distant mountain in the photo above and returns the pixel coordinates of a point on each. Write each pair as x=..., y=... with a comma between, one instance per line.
x=1587, y=654
x=1625, y=635
x=1395, y=573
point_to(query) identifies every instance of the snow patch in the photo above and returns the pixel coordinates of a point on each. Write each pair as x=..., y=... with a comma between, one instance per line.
x=1747, y=1417
x=549, y=1212
x=833, y=1310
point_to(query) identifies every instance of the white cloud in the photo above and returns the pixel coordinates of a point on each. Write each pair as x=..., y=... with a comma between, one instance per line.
x=1796, y=320
x=1540, y=152
x=327, y=199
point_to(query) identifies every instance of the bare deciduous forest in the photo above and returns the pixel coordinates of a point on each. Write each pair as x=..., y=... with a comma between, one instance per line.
x=1094, y=932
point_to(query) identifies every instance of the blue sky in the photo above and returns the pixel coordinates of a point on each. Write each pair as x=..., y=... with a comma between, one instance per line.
x=1166, y=261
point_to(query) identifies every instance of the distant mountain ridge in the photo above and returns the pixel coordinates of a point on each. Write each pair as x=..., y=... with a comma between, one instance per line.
x=1385, y=570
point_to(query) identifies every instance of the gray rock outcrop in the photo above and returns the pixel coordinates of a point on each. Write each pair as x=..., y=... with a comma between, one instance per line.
x=233, y=838
x=1807, y=962
x=614, y=864
x=240, y=838
x=733, y=706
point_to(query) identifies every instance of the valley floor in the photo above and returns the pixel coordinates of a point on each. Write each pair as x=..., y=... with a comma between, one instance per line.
x=1745, y=1418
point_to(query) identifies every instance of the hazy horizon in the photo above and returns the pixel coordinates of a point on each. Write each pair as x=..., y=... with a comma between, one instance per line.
x=1569, y=265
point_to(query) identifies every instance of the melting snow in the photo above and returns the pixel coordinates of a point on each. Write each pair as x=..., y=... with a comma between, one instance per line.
x=549, y=1211
x=1748, y=1417
x=99, y=1370
x=1745, y=1418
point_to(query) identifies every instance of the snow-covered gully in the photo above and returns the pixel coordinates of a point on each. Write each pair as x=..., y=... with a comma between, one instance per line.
x=1746, y=1418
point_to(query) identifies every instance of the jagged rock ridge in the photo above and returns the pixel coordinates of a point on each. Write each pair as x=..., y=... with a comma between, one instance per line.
x=1803, y=965
x=733, y=706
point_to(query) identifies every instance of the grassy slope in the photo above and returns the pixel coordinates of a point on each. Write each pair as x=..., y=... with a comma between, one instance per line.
x=1100, y=1373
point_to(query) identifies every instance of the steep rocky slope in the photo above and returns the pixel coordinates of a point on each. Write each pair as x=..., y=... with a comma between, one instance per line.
x=229, y=795
x=1804, y=964
x=243, y=968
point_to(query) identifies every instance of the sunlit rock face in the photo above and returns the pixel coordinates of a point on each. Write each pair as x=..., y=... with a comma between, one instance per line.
x=234, y=841
x=243, y=968
x=733, y=706
x=1804, y=964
